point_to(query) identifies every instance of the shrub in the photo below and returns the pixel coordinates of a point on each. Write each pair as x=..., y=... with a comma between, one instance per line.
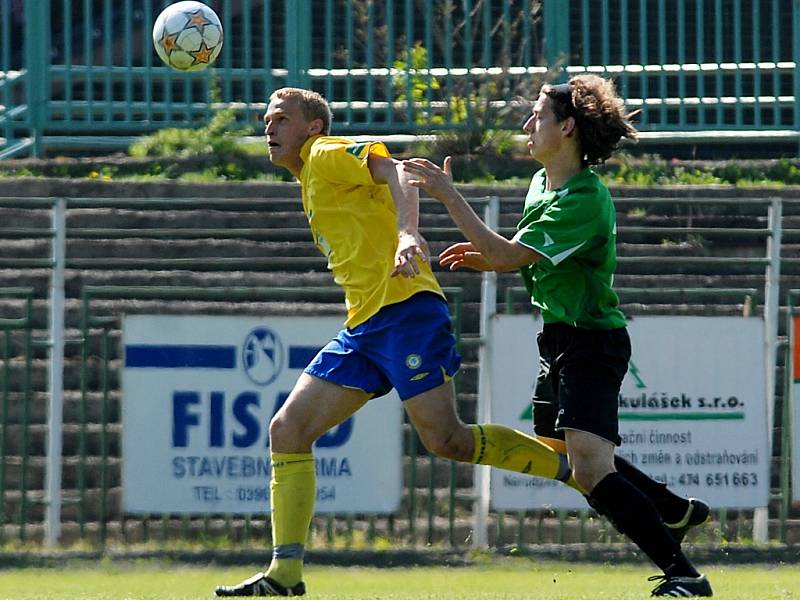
x=216, y=138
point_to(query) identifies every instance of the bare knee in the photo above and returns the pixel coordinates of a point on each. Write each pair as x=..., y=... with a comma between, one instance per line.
x=585, y=477
x=278, y=430
x=286, y=434
x=591, y=458
x=588, y=472
x=457, y=444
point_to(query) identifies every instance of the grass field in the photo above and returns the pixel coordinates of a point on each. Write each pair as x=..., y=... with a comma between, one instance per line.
x=505, y=579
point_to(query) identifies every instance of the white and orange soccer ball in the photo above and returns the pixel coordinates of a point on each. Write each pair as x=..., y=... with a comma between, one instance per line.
x=188, y=36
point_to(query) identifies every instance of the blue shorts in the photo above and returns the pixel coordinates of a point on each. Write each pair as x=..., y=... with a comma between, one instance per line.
x=408, y=346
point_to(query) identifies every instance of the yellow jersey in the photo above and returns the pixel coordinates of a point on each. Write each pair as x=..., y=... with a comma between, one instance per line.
x=354, y=224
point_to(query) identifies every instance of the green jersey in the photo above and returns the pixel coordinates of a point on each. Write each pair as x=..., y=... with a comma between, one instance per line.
x=574, y=228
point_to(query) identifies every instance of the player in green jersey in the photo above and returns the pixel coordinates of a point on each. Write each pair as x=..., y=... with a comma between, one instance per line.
x=565, y=249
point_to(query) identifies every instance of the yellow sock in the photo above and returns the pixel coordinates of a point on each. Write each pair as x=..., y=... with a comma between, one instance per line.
x=293, y=489
x=507, y=448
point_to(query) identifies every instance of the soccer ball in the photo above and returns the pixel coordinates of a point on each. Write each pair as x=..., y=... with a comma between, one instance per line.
x=188, y=36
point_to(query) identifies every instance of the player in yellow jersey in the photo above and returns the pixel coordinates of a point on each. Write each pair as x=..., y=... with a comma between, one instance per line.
x=363, y=214
x=565, y=249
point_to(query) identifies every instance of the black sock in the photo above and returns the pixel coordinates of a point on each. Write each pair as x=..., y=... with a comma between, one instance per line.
x=634, y=515
x=671, y=507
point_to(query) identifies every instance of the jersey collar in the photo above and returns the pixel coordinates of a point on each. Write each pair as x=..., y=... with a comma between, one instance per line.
x=537, y=193
x=540, y=180
x=305, y=149
x=573, y=181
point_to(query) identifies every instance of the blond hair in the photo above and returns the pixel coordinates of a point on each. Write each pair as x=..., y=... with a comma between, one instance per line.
x=312, y=105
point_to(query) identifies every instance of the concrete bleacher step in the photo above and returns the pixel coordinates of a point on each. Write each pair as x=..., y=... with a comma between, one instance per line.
x=25, y=248
x=75, y=410
x=27, y=218
x=38, y=279
x=125, y=219
x=693, y=309
x=200, y=249
x=691, y=280
x=77, y=279
x=790, y=249
x=676, y=250
x=689, y=265
x=707, y=219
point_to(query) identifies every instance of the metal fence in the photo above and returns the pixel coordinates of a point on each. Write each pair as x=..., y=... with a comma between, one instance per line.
x=15, y=453
x=439, y=495
x=84, y=74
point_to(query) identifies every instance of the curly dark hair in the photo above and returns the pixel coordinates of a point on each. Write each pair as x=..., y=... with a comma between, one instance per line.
x=599, y=114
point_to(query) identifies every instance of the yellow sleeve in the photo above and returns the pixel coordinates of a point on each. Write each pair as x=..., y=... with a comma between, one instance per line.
x=343, y=161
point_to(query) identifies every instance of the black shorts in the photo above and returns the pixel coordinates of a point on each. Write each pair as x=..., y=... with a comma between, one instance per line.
x=580, y=374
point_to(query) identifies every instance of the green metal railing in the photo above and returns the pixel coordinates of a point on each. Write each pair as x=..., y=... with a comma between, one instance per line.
x=428, y=501
x=92, y=79
x=16, y=392
x=12, y=82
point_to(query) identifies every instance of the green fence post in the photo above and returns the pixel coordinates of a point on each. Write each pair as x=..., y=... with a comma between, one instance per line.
x=83, y=411
x=456, y=296
x=796, y=52
x=37, y=55
x=3, y=424
x=7, y=326
x=431, y=495
x=298, y=42
x=24, y=449
x=105, y=357
x=556, y=32
x=412, y=483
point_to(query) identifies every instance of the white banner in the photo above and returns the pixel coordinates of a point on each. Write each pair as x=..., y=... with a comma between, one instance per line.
x=692, y=408
x=795, y=410
x=198, y=395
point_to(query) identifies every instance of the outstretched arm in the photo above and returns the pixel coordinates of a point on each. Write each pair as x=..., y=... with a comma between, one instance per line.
x=464, y=254
x=410, y=244
x=500, y=253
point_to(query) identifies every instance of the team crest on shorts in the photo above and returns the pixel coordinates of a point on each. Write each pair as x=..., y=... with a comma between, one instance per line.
x=413, y=361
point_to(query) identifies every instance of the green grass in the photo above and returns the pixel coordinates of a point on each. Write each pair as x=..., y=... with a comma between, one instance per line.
x=506, y=579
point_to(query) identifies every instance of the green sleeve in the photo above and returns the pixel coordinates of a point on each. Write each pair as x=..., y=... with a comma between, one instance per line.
x=562, y=229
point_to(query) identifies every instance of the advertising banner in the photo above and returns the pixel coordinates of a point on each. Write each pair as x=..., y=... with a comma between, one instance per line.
x=795, y=412
x=692, y=408
x=198, y=395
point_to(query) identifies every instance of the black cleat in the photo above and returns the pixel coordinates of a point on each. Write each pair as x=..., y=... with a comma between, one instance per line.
x=260, y=585
x=697, y=514
x=681, y=587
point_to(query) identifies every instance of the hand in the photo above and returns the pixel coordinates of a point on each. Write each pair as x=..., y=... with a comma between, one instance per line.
x=464, y=254
x=410, y=246
x=438, y=182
